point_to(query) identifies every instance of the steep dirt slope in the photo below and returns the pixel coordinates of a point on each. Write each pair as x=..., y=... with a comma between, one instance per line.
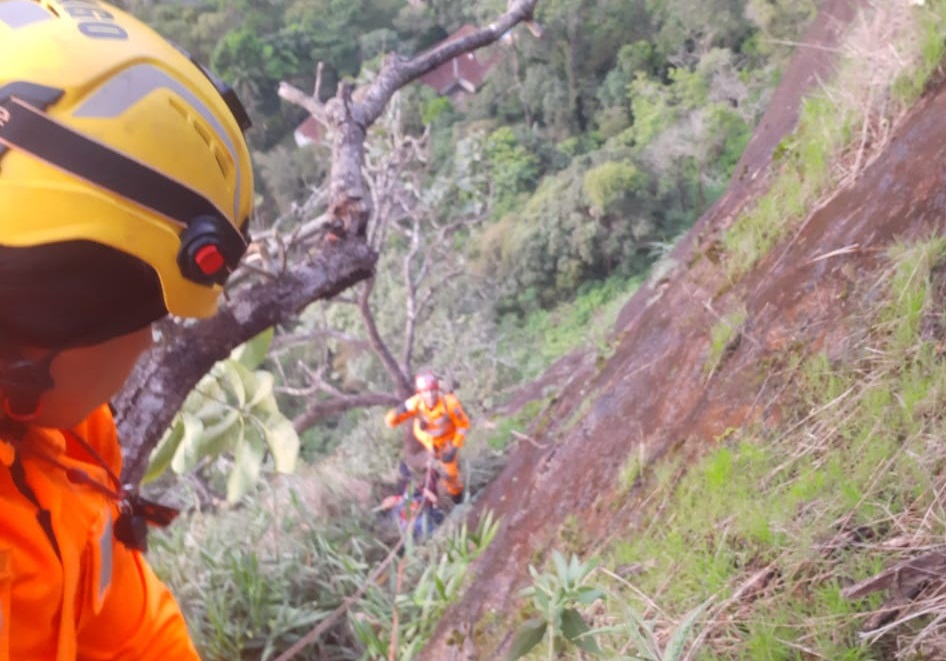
x=653, y=389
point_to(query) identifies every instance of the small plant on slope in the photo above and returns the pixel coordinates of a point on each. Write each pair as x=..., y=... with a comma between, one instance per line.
x=555, y=596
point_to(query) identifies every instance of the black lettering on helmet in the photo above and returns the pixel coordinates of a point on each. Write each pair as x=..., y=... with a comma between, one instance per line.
x=93, y=20
x=84, y=11
x=98, y=30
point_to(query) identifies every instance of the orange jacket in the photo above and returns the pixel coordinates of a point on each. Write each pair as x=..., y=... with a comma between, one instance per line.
x=434, y=427
x=101, y=601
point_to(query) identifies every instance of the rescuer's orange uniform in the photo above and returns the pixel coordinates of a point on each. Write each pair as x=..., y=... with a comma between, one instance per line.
x=126, y=188
x=100, y=600
x=437, y=427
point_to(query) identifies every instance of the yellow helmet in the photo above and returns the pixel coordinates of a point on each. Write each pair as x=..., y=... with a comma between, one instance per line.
x=110, y=134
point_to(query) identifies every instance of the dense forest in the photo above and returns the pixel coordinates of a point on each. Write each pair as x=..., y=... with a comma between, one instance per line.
x=515, y=219
x=571, y=171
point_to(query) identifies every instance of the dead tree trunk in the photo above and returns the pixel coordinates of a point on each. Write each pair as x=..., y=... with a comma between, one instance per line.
x=340, y=259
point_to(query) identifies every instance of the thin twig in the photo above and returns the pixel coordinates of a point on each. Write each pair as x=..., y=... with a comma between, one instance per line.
x=323, y=626
x=522, y=437
x=788, y=42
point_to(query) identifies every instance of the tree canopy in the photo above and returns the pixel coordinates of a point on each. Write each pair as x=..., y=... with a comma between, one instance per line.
x=598, y=136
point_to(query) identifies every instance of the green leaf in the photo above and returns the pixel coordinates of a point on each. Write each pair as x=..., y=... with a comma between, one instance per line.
x=207, y=399
x=283, y=443
x=561, y=565
x=248, y=459
x=187, y=454
x=222, y=434
x=367, y=636
x=643, y=634
x=163, y=454
x=587, y=595
x=252, y=353
x=529, y=635
x=219, y=441
x=262, y=389
x=575, y=629
x=675, y=646
x=441, y=589
x=234, y=379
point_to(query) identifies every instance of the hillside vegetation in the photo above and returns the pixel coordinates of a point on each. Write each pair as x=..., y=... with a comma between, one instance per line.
x=791, y=453
x=716, y=477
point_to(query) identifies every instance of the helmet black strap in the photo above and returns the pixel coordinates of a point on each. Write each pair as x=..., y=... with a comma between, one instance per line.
x=27, y=128
x=38, y=96
x=43, y=517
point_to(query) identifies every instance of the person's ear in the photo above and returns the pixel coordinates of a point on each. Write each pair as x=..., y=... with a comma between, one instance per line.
x=21, y=411
x=22, y=384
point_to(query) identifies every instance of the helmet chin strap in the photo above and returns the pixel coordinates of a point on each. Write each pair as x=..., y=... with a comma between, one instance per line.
x=23, y=381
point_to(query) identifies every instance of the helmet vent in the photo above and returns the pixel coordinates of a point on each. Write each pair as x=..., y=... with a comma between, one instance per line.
x=201, y=131
x=177, y=106
x=48, y=7
x=222, y=162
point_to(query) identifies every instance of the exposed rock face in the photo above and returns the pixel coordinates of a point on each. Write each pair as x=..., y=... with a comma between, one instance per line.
x=654, y=389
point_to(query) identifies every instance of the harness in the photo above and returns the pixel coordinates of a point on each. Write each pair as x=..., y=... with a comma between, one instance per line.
x=438, y=423
x=135, y=512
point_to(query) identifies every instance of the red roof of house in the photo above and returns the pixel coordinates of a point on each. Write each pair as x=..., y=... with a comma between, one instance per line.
x=457, y=78
x=308, y=132
x=464, y=73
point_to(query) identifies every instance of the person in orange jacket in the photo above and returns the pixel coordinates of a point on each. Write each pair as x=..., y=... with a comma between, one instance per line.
x=440, y=425
x=125, y=190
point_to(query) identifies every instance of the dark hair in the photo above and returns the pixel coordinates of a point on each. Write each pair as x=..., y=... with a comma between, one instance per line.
x=74, y=293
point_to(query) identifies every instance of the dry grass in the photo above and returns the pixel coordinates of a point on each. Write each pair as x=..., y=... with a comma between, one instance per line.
x=843, y=127
x=826, y=539
x=882, y=45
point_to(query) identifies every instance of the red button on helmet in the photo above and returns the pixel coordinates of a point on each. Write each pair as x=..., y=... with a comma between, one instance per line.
x=209, y=260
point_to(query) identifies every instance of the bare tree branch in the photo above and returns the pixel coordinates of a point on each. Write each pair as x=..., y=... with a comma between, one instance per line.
x=396, y=73
x=351, y=114
x=311, y=103
x=283, y=342
x=410, y=286
x=317, y=378
x=322, y=409
x=157, y=387
x=395, y=371
x=432, y=289
x=293, y=271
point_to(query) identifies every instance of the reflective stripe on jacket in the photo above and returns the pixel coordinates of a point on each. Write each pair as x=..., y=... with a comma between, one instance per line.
x=101, y=601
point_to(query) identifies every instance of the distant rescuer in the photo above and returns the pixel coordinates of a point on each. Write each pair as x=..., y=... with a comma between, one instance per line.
x=440, y=425
x=125, y=188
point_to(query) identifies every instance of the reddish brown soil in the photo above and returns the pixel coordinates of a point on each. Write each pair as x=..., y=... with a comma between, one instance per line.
x=654, y=388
